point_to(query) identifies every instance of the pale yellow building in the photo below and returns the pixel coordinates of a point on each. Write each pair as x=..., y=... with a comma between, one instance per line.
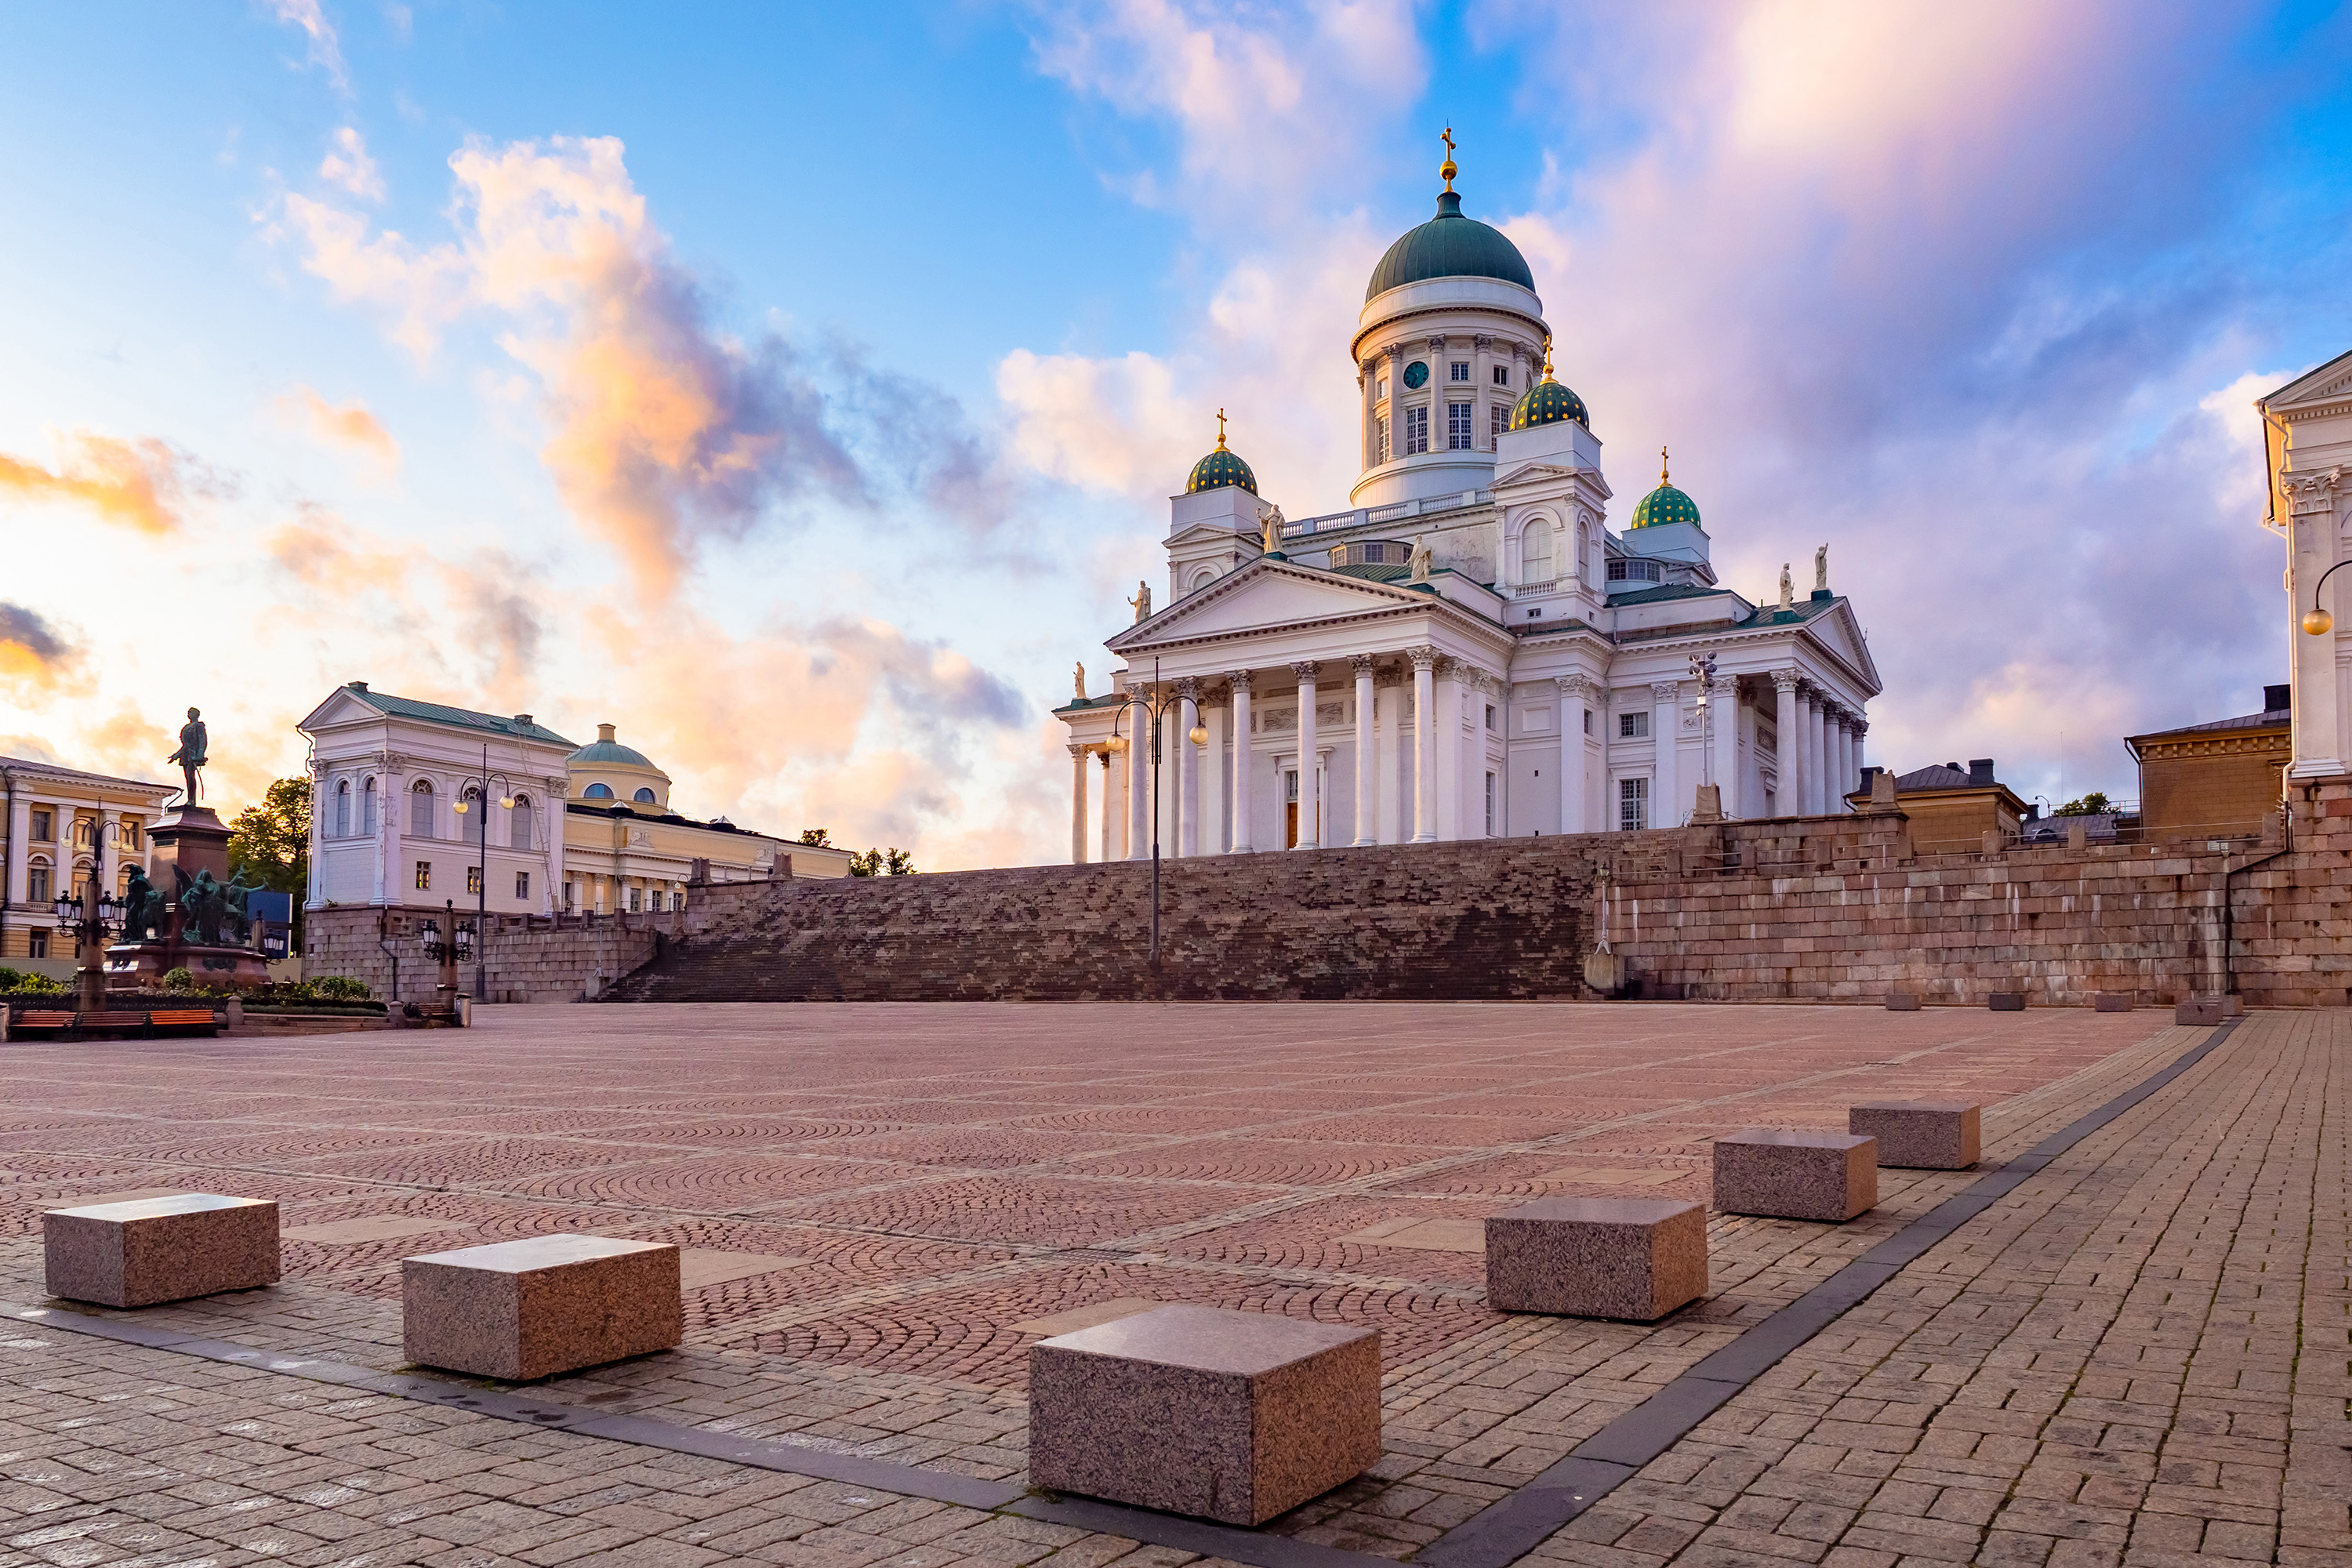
x=57, y=818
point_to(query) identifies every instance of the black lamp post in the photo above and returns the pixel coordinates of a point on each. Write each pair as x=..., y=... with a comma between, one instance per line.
x=449, y=950
x=482, y=858
x=92, y=918
x=1154, y=708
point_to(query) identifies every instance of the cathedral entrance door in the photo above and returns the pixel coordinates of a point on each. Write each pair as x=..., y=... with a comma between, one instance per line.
x=1290, y=808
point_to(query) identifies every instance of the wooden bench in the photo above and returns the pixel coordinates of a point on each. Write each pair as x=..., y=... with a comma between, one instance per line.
x=31, y=1020
x=184, y=1018
x=111, y=1023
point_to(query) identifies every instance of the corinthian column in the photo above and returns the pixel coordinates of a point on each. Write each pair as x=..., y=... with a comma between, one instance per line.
x=1240, y=680
x=1575, y=692
x=1424, y=743
x=1188, y=769
x=1309, y=827
x=1367, y=764
x=1789, y=799
x=1666, y=731
x=1077, y=805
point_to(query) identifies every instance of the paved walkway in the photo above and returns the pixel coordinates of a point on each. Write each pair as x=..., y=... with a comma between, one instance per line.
x=2135, y=1345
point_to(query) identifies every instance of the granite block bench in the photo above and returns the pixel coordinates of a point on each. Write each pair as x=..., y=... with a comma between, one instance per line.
x=2200, y=1010
x=1921, y=1134
x=148, y=1251
x=1636, y=1258
x=524, y=1310
x=1786, y=1174
x=1902, y=1001
x=2006, y=1002
x=1234, y=1416
x=2111, y=1001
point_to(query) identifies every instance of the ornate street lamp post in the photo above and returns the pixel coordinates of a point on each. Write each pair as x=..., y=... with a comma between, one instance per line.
x=482, y=860
x=92, y=918
x=450, y=951
x=1153, y=708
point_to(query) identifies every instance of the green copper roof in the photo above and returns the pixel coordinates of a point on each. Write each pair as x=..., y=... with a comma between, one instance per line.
x=1548, y=403
x=1450, y=245
x=1665, y=505
x=463, y=718
x=610, y=752
x=1218, y=469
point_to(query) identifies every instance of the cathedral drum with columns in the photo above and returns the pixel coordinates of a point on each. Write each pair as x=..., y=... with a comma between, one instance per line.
x=1469, y=650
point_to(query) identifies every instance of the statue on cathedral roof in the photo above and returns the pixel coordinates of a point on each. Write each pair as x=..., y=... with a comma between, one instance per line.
x=1822, y=570
x=1142, y=603
x=1078, y=677
x=1273, y=540
x=1423, y=559
x=1788, y=590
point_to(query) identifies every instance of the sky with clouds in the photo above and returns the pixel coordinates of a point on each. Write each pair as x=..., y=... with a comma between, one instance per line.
x=800, y=388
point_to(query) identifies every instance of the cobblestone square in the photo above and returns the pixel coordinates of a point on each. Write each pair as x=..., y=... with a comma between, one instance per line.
x=2139, y=1354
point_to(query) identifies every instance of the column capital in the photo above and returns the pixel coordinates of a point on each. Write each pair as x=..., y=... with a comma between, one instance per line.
x=1078, y=752
x=1188, y=687
x=1363, y=663
x=1859, y=725
x=1305, y=669
x=1665, y=690
x=1784, y=681
x=1239, y=679
x=1574, y=685
x=1424, y=658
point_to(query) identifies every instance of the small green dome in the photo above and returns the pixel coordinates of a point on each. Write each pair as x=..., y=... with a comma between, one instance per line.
x=1450, y=245
x=1220, y=468
x=1665, y=505
x=1548, y=403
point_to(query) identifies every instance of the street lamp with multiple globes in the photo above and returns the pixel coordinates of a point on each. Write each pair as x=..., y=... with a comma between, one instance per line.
x=1154, y=710
x=1702, y=671
x=482, y=858
x=93, y=917
x=451, y=950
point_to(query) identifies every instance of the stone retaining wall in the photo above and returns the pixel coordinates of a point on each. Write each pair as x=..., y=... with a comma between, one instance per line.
x=569, y=959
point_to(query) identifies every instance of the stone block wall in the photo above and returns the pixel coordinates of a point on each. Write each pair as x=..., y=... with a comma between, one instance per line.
x=564, y=958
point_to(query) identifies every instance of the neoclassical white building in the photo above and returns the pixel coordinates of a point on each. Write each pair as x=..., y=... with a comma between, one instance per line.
x=2307, y=436
x=1470, y=649
x=406, y=793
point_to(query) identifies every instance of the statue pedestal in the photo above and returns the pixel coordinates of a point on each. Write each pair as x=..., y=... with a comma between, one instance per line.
x=189, y=838
x=143, y=965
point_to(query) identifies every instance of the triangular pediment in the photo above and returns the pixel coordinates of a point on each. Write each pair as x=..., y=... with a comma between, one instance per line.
x=1193, y=532
x=1838, y=632
x=1266, y=594
x=2324, y=384
x=345, y=707
x=1536, y=473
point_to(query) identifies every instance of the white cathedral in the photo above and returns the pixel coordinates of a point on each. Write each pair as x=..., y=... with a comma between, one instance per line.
x=1469, y=650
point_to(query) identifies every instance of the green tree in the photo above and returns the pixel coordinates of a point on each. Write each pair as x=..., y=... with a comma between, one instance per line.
x=272, y=840
x=2094, y=804
x=883, y=863
x=818, y=837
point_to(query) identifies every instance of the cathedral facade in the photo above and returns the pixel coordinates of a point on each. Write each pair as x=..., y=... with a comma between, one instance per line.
x=1470, y=649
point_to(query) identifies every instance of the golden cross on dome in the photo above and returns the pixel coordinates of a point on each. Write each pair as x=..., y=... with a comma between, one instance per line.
x=1546, y=356
x=1662, y=465
x=1448, y=168
x=1220, y=430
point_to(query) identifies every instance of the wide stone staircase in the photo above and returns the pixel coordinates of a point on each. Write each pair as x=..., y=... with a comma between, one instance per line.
x=1493, y=918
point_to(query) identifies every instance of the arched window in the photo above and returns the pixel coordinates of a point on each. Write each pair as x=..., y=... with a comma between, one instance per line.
x=420, y=808
x=1202, y=578
x=472, y=816
x=343, y=808
x=1584, y=551
x=597, y=792
x=367, y=808
x=518, y=819
x=1535, y=552
x=644, y=797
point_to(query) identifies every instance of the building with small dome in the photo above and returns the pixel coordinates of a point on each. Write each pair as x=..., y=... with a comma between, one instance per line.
x=406, y=793
x=1469, y=649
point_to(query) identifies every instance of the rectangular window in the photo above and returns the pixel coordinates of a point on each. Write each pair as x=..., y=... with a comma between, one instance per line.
x=1502, y=375
x=1633, y=726
x=1623, y=571
x=636, y=900
x=1490, y=715
x=1490, y=805
x=1457, y=426
x=44, y=830
x=425, y=876
x=1498, y=419
x=1416, y=431
x=1587, y=720
x=36, y=944
x=343, y=812
x=367, y=809
x=36, y=884
x=1460, y=370
x=1381, y=441
x=1632, y=805
x=130, y=832
x=1384, y=389
x=522, y=884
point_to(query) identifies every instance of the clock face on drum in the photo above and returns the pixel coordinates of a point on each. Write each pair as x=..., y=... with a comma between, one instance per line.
x=1416, y=375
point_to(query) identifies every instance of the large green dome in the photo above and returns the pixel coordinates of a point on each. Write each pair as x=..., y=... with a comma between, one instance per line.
x=1450, y=245
x=1220, y=468
x=1548, y=403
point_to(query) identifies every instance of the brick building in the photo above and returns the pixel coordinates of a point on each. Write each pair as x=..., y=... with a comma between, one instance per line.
x=1951, y=807
x=2215, y=780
